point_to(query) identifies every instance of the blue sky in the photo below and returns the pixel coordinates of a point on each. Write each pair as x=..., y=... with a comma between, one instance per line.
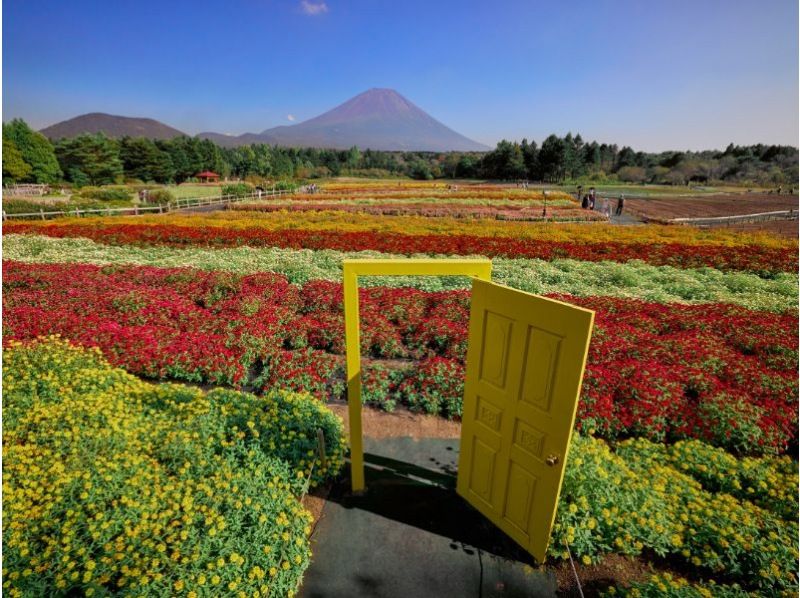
x=654, y=75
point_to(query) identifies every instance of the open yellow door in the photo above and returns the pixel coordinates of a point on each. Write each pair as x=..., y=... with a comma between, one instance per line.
x=524, y=370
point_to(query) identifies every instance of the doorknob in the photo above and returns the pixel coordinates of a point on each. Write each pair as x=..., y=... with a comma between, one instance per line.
x=551, y=460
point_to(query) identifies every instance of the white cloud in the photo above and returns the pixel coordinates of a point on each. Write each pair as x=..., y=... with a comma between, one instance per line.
x=290, y=117
x=313, y=8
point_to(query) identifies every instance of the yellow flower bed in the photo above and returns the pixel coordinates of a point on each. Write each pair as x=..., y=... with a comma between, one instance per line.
x=114, y=485
x=639, y=497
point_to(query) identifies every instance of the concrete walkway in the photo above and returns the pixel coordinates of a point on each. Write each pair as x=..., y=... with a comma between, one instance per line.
x=410, y=534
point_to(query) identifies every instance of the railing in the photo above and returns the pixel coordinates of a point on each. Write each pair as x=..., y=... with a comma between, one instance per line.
x=728, y=220
x=176, y=205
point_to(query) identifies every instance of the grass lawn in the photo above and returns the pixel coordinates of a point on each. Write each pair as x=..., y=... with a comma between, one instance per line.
x=193, y=190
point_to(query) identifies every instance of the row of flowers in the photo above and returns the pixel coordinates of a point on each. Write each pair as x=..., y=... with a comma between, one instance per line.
x=418, y=225
x=639, y=280
x=113, y=485
x=762, y=259
x=557, y=212
x=712, y=371
x=436, y=192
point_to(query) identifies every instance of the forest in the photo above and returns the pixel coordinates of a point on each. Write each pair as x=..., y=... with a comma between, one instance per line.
x=28, y=156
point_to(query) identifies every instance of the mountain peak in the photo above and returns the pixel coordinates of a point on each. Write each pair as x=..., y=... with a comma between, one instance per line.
x=379, y=119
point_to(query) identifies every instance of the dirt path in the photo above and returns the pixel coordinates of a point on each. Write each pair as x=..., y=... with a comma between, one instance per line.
x=399, y=423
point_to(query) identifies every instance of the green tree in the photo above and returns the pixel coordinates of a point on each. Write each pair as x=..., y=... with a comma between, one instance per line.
x=551, y=159
x=143, y=159
x=14, y=167
x=530, y=156
x=505, y=162
x=92, y=159
x=36, y=151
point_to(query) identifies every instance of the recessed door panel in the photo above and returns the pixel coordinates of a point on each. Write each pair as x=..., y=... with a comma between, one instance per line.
x=525, y=363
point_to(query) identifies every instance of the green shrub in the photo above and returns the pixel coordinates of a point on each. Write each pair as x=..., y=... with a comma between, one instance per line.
x=159, y=196
x=106, y=193
x=24, y=206
x=286, y=185
x=237, y=189
x=115, y=486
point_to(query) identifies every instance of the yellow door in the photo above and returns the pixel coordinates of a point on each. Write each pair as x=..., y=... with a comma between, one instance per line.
x=524, y=369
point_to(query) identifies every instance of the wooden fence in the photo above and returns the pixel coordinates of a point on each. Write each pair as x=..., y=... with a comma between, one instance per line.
x=177, y=205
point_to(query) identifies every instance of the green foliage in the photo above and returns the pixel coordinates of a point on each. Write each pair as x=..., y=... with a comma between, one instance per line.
x=36, y=151
x=668, y=586
x=15, y=168
x=144, y=160
x=557, y=160
x=632, y=174
x=112, y=485
x=642, y=498
x=506, y=162
x=90, y=159
x=237, y=189
x=376, y=385
x=437, y=387
x=25, y=206
x=105, y=193
x=160, y=196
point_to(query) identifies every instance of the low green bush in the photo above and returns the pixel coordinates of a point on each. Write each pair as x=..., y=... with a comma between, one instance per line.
x=159, y=196
x=24, y=206
x=238, y=189
x=115, y=486
x=106, y=193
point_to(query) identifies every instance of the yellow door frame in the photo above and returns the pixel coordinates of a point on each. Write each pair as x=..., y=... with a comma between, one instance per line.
x=352, y=269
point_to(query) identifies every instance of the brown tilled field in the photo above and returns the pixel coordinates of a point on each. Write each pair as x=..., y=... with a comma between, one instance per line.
x=784, y=228
x=702, y=206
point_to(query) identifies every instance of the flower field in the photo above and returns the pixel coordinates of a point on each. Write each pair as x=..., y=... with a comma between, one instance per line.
x=407, y=235
x=686, y=422
x=113, y=485
x=473, y=201
x=662, y=371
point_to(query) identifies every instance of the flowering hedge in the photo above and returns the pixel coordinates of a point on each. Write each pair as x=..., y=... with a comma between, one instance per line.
x=715, y=372
x=112, y=485
x=640, y=498
x=662, y=284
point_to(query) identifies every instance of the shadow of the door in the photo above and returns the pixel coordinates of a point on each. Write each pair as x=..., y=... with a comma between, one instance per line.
x=427, y=500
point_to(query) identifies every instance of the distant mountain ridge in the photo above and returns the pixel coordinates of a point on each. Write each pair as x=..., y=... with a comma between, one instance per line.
x=112, y=125
x=378, y=119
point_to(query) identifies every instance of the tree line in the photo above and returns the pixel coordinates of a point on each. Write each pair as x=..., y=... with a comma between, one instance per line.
x=87, y=159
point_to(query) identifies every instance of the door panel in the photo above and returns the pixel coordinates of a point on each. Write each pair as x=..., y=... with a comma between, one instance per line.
x=524, y=369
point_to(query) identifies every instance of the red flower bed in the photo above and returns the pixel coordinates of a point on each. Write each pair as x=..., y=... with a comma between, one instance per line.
x=757, y=258
x=717, y=372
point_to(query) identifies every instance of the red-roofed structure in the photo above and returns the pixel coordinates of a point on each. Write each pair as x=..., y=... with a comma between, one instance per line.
x=207, y=177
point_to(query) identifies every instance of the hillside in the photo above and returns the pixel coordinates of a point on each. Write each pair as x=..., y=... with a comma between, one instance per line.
x=111, y=125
